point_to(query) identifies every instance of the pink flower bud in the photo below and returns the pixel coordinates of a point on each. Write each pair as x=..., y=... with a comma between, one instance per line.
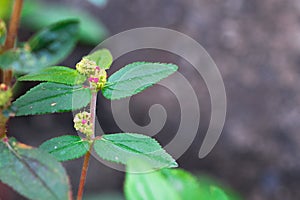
x=96, y=80
x=84, y=121
x=5, y=139
x=91, y=79
x=97, y=68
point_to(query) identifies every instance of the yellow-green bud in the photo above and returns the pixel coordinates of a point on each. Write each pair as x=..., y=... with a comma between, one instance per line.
x=82, y=123
x=5, y=94
x=2, y=28
x=86, y=67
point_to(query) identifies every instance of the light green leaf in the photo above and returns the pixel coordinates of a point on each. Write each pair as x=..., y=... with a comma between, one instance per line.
x=185, y=185
x=5, y=8
x=147, y=186
x=218, y=194
x=46, y=48
x=52, y=97
x=67, y=147
x=123, y=147
x=102, y=57
x=57, y=74
x=136, y=77
x=92, y=31
x=32, y=173
x=179, y=184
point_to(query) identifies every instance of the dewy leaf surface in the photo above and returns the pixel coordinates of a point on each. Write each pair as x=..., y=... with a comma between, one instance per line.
x=123, y=147
x=136, y=77
x=51, y=98
x=67, y=147
x=57, y=74
x=33, y=173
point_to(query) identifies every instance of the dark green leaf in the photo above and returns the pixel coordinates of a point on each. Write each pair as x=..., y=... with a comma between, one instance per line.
x=57, y=74
x=67, y=147
x=33, y=173
x=52, y=97
x=46, y=48
x=91, y=31
x=123, y=147
x=102, y=57
x=136, y=77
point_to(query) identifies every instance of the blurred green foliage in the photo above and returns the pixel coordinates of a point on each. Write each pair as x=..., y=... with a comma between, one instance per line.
x=37, y=14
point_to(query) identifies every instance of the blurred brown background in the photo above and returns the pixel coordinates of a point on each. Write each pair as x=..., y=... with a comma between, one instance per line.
x=255, y=44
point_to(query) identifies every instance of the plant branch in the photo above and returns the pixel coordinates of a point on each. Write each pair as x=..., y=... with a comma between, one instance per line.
x=88, y=154
x=11, y=36
x=9, y=43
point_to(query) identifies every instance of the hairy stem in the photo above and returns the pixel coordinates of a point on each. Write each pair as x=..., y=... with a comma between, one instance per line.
x=11, y=36
x=88, y=154
x=6, y=75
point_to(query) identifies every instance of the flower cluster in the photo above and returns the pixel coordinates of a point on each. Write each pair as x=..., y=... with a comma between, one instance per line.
x=5, y=94
x=98, y=79
x=82, y=123
x=86, y=67
x=96, y=76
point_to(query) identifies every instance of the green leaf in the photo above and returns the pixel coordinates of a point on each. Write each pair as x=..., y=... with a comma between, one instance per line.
x=33, y=173
x=5, y=8
x=179, y=184
x=52, y=97
x=185, y=185
x=123, y=147
x=91, y=30
x=218, y=194
x=46, y=48
x=136, y=77
x=67, y=147
x=57, y=74
x=102, y=57
x=147, y=186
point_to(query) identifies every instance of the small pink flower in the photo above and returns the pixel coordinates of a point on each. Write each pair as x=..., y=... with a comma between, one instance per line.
x=96, y=80
x=84, y=121
x=97, y=68
x=91, y=79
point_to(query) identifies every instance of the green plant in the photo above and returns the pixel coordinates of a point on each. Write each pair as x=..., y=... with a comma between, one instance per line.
x=37, y=173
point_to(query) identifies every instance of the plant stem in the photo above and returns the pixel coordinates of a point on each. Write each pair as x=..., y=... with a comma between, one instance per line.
x=83, y=175
x=93, y=106
x=88, y=154
x=9, y=43
x=11, y=36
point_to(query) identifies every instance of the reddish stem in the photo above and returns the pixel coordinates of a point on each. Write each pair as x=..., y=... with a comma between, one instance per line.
x=83, y=175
